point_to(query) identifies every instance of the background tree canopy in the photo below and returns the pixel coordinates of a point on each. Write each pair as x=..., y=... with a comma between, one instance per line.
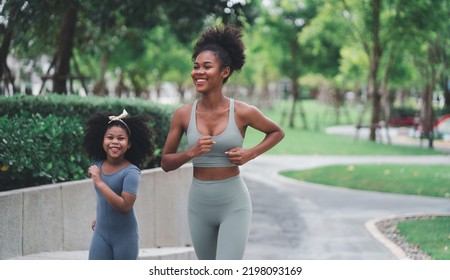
x=387, y=53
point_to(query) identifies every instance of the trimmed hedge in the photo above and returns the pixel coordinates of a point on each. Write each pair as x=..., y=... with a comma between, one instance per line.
x=41, y=136
x=84, y=107
x=36, y=150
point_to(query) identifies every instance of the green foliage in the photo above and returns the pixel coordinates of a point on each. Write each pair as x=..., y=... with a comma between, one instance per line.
x=186, y=18
x=42, y=135
x=84, y=107
x=286, y=21
x=153, y=68
x=354, y=64
x=322, y=40
x=37, y=150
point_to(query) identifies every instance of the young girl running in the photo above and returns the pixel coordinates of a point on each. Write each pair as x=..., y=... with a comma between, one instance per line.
x=119, y=146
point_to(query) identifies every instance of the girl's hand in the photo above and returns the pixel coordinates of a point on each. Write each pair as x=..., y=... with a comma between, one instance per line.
x=93, y=223
x=239, y=156
x=94, y=173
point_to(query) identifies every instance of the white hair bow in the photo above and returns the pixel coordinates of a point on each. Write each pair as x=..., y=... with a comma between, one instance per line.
x=119, y=117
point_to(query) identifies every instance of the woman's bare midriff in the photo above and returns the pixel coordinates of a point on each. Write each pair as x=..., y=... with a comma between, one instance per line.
x=215, y=173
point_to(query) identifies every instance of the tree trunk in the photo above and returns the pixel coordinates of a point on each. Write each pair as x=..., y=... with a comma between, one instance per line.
x=295, y=89
x=428, y=114
x=446, y=89
x=386, y=96
x=158, y=88
x=121, y=89
x=374, y=63
x=6, y=43
x=265, y=91
x=386, y=99
x=445, y=79
x=64, y=52
x=5, y=74
x=427, y=107
x=182, y=91
x=4, y=50
x=251, y=92
x=100, y=86
x=295, y=97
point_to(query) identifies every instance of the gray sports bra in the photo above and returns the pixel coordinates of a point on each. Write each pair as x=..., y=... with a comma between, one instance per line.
x=230, y=138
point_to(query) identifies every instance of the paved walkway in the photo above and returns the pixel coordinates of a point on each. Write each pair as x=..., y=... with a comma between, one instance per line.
x=305, y=221
x=300, y=220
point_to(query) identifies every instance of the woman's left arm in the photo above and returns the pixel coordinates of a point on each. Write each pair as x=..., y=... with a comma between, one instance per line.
x=253, y=117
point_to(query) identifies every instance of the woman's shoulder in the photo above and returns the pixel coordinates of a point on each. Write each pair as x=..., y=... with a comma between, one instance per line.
x=184, y=109
x=244, y=108
x=182, y=115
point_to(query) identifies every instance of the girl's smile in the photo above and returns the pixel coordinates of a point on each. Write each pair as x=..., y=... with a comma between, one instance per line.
x=116, y=142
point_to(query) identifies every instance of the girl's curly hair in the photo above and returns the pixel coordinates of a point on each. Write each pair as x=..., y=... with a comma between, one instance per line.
x=139, y=133
x=225, y=42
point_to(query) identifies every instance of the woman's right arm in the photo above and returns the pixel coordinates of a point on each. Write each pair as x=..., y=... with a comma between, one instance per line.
x=172, y=159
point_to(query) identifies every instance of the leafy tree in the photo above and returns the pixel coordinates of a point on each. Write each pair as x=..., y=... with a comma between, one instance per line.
x=365, y=19
x=25, y=29
x=174, y=35
x=245, y=81
x=90, y=25
x=324, y=43
x=429, y=48
x=180, y=68
x=420, y=33
x=126, y=15
x=186, y=17
x=286, y=19
x=385, y=29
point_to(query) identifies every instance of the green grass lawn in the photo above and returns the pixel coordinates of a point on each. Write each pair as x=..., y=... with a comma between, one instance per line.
x=427, y=180
x=305, y=142
x=403, y=179
x=313, y=141
x=435, y=242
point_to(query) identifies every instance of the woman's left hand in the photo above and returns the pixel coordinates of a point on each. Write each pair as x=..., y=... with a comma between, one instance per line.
x=239, y=156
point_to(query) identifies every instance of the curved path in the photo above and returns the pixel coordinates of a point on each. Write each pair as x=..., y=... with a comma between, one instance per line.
x=300, y=220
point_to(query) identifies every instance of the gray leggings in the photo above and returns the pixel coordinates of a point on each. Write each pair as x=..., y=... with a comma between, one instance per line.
x=220, y=213
x=125, y=247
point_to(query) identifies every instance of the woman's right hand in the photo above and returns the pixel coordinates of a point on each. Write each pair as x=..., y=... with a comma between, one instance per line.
x=204, y=145
x=93, y=223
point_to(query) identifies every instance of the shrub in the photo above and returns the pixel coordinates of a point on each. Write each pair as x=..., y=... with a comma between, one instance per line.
x=39, y=150
x=83, y=108
x=41, y=136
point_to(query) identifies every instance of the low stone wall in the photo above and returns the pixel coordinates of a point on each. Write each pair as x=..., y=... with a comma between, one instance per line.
x=58, y=217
